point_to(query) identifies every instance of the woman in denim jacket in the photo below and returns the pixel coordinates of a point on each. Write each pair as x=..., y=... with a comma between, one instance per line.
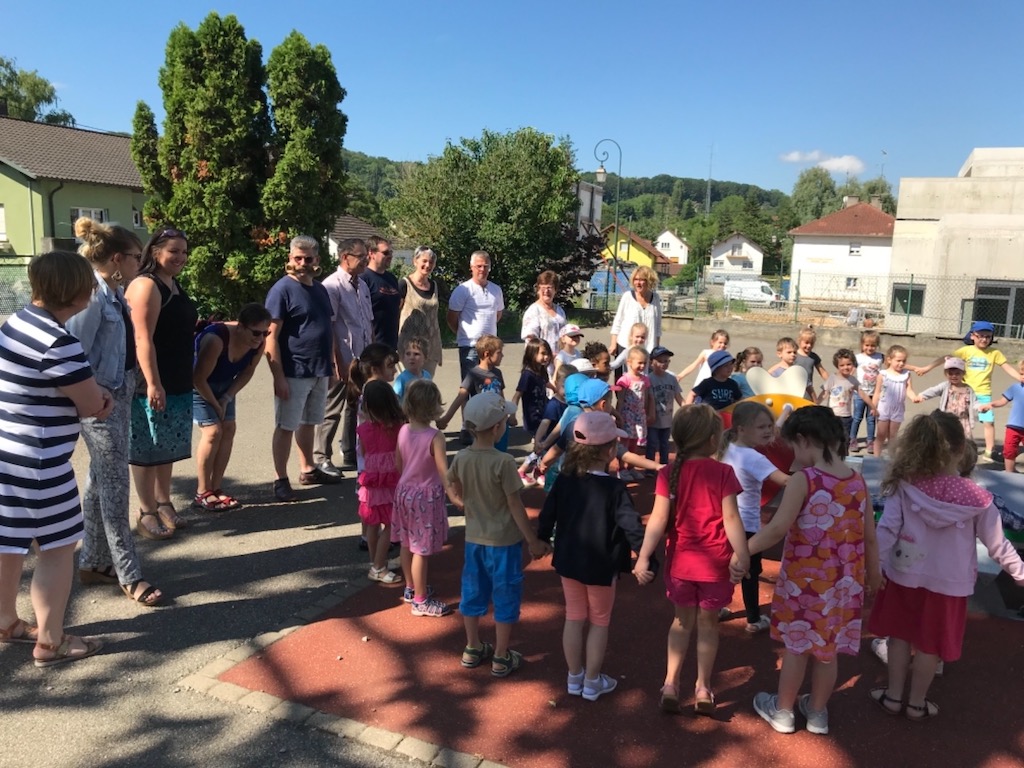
x=105, y=331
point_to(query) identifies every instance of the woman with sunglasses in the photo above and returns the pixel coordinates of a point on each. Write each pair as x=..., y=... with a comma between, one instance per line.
x=161, y=420
x=105, y=331
x=226, y=357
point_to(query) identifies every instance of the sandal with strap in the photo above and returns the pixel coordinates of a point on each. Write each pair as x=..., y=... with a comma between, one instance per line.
x=704, y=702
x=669, y=699
x=503, y=666
x=926, y=711
x=149, y=597
x=172, y=521
x=883, y=700
x=474, y=657
x=29, y=633
x=229, y=502
x=98, y=575
x=146, y=532
x=65, y=653
x=208, y=501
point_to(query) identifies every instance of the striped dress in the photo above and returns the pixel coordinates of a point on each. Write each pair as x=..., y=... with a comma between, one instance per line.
x=38, y=430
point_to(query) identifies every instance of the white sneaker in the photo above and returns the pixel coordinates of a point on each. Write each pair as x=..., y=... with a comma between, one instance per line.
x=759, y=626
x=594, y=689
x=817, y=722
x=767, y=706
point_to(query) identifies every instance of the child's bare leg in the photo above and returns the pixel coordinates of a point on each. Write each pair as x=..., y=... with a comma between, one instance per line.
x=502, y=635
x=707, y=646
x=679, y=641
x=894, y=428
x=823, y=682
x=383, y=544
x=990, y=435
x=1009, y=465
x=405, y=557
x=791, y=677
x=899, y=665
x=881, y=435
x=921, y=677
x=472, y=624
x=372, y=542
x=572, y=645
x=419, y=576
x=597, y=642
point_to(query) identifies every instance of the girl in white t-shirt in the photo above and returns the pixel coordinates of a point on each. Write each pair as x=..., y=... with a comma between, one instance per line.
x=752, y=427
x=719, y=340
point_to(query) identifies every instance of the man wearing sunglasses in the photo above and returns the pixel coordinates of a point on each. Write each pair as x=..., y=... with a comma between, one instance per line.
x=300, y=350
x=384, y=295
x=353, y=330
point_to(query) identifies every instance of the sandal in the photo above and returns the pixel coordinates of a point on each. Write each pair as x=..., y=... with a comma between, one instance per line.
x=208, y=501
x=669, y=700
x=172, y=521
x=883, y=700
x=926, y=711
x=29, y=633
x=98, y=575
x=159, y=534
x=503, y=666
x=474, y=657
x=229, y=502
x=64, y=652
x=149, y=597
x=704, y=703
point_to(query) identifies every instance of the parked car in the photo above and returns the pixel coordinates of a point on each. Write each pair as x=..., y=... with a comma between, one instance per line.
x=753, y=293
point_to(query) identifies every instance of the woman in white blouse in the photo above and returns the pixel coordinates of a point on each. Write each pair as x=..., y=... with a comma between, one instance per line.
x=639, y=305
x=544, y=319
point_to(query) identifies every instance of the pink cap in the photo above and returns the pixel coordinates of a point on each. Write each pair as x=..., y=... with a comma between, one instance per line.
x=955, y=363
x=596, y=428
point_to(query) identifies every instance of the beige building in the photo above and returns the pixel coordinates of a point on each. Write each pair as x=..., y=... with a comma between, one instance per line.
x=958, y=246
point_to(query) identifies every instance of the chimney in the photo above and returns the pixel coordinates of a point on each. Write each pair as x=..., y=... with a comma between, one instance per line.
x=849, y=200
x=876, y=201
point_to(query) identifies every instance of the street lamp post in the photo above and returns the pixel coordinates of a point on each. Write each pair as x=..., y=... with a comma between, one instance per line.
x=602, y=177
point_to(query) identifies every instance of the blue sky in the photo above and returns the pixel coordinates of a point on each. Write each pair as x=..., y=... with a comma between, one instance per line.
x=773, y=87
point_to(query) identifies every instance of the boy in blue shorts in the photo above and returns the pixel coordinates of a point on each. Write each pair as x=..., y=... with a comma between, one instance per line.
x=487, y=480
x=1014, y=397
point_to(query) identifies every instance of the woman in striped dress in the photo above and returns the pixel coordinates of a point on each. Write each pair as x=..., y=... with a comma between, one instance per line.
x=46, y=386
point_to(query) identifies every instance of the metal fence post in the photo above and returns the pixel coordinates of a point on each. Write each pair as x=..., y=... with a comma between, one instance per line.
x=796, y=301
x=910, y=299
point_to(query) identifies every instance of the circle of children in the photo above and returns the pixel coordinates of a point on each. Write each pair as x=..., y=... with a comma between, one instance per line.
x=919, y=561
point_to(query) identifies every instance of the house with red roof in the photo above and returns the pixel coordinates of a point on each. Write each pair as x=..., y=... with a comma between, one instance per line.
x=845, y=256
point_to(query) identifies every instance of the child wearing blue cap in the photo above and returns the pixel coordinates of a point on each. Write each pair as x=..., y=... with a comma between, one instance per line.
x=719, y=391
x=981, y=359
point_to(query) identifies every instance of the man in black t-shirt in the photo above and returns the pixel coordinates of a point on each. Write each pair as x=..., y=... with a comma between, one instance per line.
x=384, y=296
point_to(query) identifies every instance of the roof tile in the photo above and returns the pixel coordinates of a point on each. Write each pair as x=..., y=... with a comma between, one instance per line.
x=861, y=219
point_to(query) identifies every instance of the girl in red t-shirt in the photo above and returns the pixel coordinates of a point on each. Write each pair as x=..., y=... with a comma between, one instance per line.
x=706, y=552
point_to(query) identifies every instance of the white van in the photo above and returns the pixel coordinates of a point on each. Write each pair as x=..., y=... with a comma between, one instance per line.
x=753, y=292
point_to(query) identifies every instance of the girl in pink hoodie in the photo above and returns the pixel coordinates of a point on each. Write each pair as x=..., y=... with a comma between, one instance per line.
x=929, y=560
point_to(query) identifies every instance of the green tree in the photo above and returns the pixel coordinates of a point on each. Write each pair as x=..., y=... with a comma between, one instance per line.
x=30, y=96
x=880, y=186
x=306, y=190
x=814, y=195
x=510, y=194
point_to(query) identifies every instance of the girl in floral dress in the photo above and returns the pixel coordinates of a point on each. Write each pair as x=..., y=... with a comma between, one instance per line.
x=830, y=553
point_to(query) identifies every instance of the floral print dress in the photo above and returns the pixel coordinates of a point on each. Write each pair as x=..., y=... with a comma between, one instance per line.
x=818, y=598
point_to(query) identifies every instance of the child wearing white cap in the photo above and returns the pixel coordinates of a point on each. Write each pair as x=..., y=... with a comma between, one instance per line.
x=955, y=395
x=569, y=339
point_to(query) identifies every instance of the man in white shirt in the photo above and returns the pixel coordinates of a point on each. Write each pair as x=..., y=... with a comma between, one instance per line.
x=474, y=310
x=352, y=318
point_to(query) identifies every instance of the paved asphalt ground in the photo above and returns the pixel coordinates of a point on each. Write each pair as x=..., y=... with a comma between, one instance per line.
x=231, y=577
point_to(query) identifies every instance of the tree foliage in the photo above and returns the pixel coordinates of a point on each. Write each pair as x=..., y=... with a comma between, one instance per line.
x=814, y=195
x=512, y=195
x=30, y=96
x=238, y=178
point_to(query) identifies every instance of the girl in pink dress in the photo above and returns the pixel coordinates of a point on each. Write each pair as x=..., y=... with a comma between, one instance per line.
x=376, y=439
x=420, y=519
x=635, y=406
x=830, y=552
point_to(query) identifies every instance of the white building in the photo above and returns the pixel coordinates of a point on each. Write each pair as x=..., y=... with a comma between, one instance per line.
x=963, y=240
x=735, y=257
x=673, y=247
x=845, y=256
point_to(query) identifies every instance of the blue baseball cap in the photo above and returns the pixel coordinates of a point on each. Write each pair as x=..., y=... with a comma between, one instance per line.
x=591, y=392
x=572, y=388
x=979, y=326
x=719, y=358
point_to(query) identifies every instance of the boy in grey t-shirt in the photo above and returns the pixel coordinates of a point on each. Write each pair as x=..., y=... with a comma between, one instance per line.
x=666, y=391
x=841, y=387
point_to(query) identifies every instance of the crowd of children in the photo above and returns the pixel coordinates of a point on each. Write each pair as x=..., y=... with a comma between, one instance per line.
x=708, y=503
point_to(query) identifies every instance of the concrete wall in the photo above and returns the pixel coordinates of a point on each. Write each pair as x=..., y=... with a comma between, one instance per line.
x=824, y=269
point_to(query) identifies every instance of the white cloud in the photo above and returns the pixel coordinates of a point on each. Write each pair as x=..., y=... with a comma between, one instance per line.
x=850, y=164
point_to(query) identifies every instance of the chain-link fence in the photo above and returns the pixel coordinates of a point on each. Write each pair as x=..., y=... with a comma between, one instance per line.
x=937, y=304
x=15, y=292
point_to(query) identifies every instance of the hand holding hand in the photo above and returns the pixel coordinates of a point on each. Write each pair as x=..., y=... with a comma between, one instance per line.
x=539, y=549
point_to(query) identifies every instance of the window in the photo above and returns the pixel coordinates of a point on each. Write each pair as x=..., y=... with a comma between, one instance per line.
x=624, y=246
x=136, y=218
x=855, y=249
x=851, y=283
x=3, y=223
x=718, y=263
x=96, y=214
x=748, y=265
x=737, y=249
x=907, y=299
x=665, y=244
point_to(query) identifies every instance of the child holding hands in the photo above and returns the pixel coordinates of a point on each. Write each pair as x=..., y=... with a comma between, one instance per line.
x=892, y=390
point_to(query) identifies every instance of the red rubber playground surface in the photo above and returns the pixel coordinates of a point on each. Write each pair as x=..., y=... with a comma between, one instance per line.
x=406, y=677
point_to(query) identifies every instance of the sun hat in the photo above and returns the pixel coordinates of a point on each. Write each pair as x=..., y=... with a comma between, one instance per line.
x=719, y=358
x=570, y=330
x=485, y=410
x=572, y=387
x=591, y=391
x=596, y=428
x=582, y=364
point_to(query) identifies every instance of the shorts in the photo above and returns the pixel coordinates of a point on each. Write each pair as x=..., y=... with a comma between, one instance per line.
x=588, y=601
x=889, y=411
x=708, y=595
x=306, y=403
x=493, y=574
x=203, y=413
x=160, y=437
x=468, y=359
x=985, y=417
x=1012, y=442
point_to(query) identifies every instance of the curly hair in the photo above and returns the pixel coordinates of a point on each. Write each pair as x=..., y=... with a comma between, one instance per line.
x=928, y=445
x=581, y=458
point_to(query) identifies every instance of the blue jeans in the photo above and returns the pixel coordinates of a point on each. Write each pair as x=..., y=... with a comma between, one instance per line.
x=657, y=443
x=861, y=410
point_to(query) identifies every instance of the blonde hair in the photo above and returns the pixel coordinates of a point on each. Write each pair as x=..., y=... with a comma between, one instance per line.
x=785, y=341
x=721, y=333
x=487, y=345
x=926, y=448
x=895, y=349
x=101, y=241
x=695, y=429
x=59, y=279
x=744, y=414
x=808, y=333
x=636, y=352
x=635, y=326
x=423, y=401
x=865, y=335
x=419, y=342
x=647, y=274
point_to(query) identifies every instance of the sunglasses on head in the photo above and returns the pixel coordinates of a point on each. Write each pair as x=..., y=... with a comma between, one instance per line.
x=166, y=234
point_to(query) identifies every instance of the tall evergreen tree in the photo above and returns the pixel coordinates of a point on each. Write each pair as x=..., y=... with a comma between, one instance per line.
x=814, y=194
